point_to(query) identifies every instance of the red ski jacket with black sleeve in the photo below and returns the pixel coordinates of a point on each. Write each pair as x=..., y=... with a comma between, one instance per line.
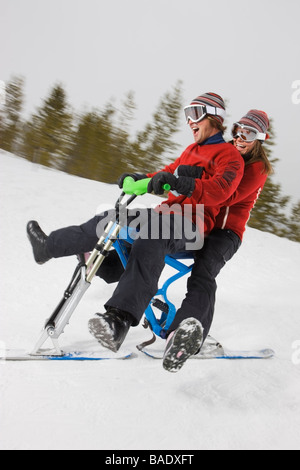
x=235, y=213
x=223, y=171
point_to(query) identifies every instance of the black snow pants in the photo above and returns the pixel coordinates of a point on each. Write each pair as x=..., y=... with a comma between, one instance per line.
x=139, y=282
x=219, y=247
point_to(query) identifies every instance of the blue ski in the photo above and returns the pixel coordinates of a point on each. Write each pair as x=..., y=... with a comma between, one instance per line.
x=212, y=349
x=21, y=355
x=226, y=354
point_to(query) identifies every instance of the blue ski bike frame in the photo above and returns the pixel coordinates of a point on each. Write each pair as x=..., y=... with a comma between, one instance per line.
x=118, y=237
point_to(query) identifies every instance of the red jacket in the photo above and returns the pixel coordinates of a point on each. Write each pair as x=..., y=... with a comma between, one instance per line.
x=224, y=169
x=235, y=213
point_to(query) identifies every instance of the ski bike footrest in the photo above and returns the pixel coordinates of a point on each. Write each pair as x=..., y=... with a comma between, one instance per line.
x=160, y=305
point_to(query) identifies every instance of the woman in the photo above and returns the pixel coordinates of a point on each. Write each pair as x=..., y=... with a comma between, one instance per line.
x=223, y=242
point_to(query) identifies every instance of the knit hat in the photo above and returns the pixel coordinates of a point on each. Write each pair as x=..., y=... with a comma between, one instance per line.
x=257, y=119
x=214, y=100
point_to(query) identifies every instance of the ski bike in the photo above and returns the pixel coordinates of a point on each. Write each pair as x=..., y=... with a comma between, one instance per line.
x=115, y=236
x=159, y=314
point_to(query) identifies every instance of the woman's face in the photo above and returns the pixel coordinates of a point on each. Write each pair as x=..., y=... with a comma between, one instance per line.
x=243, y=147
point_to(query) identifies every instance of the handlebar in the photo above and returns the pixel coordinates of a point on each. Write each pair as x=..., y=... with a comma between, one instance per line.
x=130, y=186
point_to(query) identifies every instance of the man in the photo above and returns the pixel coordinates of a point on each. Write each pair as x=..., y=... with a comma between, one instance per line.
x=219, y=168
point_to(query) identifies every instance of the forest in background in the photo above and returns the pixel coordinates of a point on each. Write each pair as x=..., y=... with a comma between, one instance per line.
x=98, y=144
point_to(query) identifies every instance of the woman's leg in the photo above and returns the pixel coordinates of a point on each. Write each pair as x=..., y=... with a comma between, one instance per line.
x=219, y=247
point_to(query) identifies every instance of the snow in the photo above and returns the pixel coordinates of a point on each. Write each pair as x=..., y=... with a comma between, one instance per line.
x=135, y=404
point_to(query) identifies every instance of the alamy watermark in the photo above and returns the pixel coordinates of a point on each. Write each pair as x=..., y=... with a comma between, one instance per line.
x=2, y=92
x=173, y=222
x=296, y=353
x=296, y=93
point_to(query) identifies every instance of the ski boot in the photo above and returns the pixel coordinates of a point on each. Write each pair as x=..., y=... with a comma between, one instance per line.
x=182, y=343
x=38, y=240
x=110, y=328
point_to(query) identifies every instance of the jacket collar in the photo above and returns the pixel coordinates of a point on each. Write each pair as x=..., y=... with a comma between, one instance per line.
x=215, y=139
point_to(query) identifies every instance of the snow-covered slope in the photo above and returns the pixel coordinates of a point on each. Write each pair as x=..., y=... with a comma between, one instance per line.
x=135, y=404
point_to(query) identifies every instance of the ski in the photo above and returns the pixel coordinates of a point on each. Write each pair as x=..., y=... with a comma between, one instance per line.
x=44, y=355
x=227, y=354
x=236, y=354
x=212, y=349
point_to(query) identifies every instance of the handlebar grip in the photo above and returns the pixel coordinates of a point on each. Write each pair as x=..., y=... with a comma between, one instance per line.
x=130, y=186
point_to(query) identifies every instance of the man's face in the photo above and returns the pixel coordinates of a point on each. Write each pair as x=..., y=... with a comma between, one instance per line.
x=202, y=130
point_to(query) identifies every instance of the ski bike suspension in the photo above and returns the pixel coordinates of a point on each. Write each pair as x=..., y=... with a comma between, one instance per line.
x=82, y=278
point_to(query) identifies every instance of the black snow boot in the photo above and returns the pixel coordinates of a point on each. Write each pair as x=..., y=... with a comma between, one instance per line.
x=183, y=343
x=38, y=240
x=110, y=328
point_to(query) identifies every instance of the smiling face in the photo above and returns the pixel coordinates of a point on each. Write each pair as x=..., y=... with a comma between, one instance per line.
x=243, y=147
x=202, y=130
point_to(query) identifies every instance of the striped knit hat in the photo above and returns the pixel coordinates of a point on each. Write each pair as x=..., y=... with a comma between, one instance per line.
x=214, y=100
x=257, y=119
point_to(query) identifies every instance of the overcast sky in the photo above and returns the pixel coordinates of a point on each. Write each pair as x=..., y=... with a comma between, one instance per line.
x=247, y=51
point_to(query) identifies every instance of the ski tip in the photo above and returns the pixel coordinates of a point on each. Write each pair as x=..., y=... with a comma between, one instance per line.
x=268, y=352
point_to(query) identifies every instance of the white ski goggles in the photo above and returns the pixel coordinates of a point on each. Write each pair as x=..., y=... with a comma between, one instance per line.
x=197, y=112
x=246, y=133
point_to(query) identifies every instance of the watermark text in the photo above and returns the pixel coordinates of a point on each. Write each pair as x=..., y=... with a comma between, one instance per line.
x=296, y=353
x=152, y=459
x=296, y=93
x=174, y=222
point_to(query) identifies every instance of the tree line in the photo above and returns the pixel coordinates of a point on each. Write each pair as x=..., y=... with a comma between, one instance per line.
x=98, y=144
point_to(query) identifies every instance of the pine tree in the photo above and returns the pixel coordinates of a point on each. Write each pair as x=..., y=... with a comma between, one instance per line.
x=293, y=226
x=104, y=148
x=156, y=142
x=121, y=155
x=48, y=135
x=91, y=152
x=269, y=213
x=10, y=117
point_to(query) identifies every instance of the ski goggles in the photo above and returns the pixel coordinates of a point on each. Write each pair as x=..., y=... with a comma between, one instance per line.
x=197, y=112
x=246, y=133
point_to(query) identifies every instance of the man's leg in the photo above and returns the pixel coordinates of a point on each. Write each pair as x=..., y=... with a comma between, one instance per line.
x=78, y=239
x=139, y=283
x=67, y=241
